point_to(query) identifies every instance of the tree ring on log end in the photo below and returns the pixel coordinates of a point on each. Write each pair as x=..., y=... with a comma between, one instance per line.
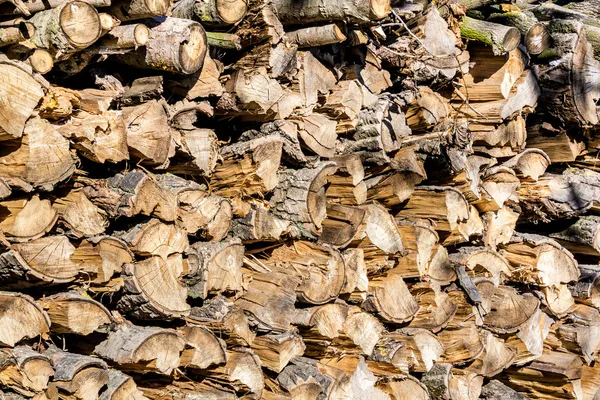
x=141, y=33
x=231, y=11
x=77, y=20
x=511, y=39
x=157, y=7
x=191, y=52
x=537, y=39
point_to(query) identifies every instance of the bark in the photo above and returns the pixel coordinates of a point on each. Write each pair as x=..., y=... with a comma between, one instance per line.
x=139, y=9
x=211, y=13
x=317, y=36
x=73, y=312
x=25, y=371
x=126, y=37
x=291, y=13
x=501, y=38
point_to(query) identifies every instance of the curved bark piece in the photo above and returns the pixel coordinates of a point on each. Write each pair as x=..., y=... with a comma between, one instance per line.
x=529, y=164
x=155, y=238
x=42, y=261
x=24, y=220
x=303, y=378
x=102, y=256
x=389, y=297
x=72, y=26
x=317, y=285
x=300, y=197
x=498, y=184
x=130, y=194
x=205, y=348
x=76, y=375
x=152, y=289
x=422, y=239
x=129, y=10
x=24, y=370
x=212, y=12
x=496, y=390
x=436, y=309
x=506, y=310
x=529, y=340
x=143, y=349
x=409, y=349
x=75, y=313
x=537, y=260
x=81, y=218
x=242, y=372
x=43, y=145
x=292, y=13
x=22, y=318
x=19, y=95
x=121, y=387
x=483, y=262
x=174, y=45
x=277, y=350
x=214, y=267
x=248, y=168
x=568, y=93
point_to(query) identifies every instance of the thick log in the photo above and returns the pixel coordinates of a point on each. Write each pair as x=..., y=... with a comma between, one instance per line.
x=211, y=13
x=242, y=372
x=155, y=238
x=77, y=375
x=125, y=37
x=435, y=307
x=152, y=289
x=79, y=216
x=317, y=36
x=291, y=13
x=277, y=350
x=587, y=289
x=535, y=35
x=409, y=349
x=103, y=256
x=259, y=225
x=67, y=28
x=143, y=349
x=214, y=268
x=76, y=313
x=23, y=318
x=174, y=45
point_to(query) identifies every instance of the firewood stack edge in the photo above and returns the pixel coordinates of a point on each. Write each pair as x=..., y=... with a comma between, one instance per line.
x=299, y=199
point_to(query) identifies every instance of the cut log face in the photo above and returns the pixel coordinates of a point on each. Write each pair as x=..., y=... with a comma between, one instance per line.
x=291, y=13
x=80, y=216
x=121, y=386
x=75, y=313
x=103, y=256
x=390, y=298
x=143, y=349
x=155, y=238
x=410, y=349
x=153, y=290
x=214, y=268
x=140, y=9
x=27, y=219
x=206, y=349
x=242, y=372
x=22, y=317
x=25, y=371
x=259, y=225
x=276, y=350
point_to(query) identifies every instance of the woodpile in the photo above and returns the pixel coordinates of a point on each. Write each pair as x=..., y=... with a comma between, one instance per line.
x=301, y=200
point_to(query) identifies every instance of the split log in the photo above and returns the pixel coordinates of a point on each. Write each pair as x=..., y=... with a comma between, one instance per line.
x=98, y=137
x=142, y=89
x=139, y=9
x=247, y=169
x=24, y=220
x=582, y=236
x=214, y=268
x=155, y=238
x=197, y=151
x=445, y=382
x=409, y=350
x=132, y=193
x=24, y=370
x=34, y=7
x=496, y=390
x=76, y=375
x=121, y=387
x=346, y=186
x=317, y=36
x=389, y=298
x=43, y=261
x=463, y=342
x=496, y=357
x=42, y=144
x=586, y=290
x=342, y=225
x=102, y=256
x=152, y=289
x=178, y=390
x=186, y=40
x=483, y=262
x=276, y=350
x=405, y=388
x=242, y=372
x=22, y=317
x=67, y=28
x=259, y=225
x=500, y=38
x=529, y=164
x=205, y=348
x=76, y=313
x=211, y=13
x=303, y=378
x=143, y=349
x=558, y=145
x=290, y=13
x=435, y=308
x=80, y=217
x=300, y=197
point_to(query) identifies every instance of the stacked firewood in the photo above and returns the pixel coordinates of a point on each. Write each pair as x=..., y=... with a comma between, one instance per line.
x=299, y=199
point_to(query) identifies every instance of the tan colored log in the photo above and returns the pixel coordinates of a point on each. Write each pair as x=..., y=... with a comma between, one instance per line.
x=300, y=197
x=22, y=317
x=342, y=225
x=501, y=38
x=581, y=237
x=483, y=262
x=24, y=370
x=529, y=164
x=578, y=333
x=436, y=309
x=152, y=289
x=132, y=193
x=143, y=349
x=203, y=83
x=585, y=290
x=242, y=372
x=77, y=375
x=126, y=37
x=276, y=350
x=558, y=145
x=142, y=90
x=214, y=267
x=405, y=388
x=197, y=151
x=16, y=33
x=155, y=238
x=42, y=261
x=409, y=349
x=102, y=256
x=317, y=36
x=462, y=343
x=187, y=390
x=67, y=28
x=346, y=186
x=205, y=349
x=139, y=9
x=291, y=13
x=259, y=225
x=426, y=111
x=74, y=312
x=121, y=387
x=213, y=12
x=174, y=45
x=27, y=219
x=389, y=298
